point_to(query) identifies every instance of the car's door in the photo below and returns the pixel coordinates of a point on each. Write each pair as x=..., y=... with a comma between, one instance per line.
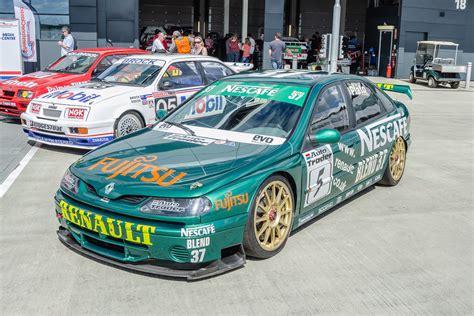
x=214, y=71
x=180, y=81
x=328, y=167
x=373, y=131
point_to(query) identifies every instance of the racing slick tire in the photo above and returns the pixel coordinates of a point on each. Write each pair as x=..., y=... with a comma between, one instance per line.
x=270, y=218
x=432, y=83
x=127, y=123
x=412, y=78
x=454, y=85
x=396, y=163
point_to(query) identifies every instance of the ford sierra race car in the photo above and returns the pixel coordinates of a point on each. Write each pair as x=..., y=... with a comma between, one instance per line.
x=124, y=98
x=193, y=194
x=74, y=68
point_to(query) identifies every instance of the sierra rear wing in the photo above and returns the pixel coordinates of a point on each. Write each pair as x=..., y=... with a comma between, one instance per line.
x=399, y=88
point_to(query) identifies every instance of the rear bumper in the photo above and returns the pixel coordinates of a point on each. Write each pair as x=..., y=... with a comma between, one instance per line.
x=160, y=267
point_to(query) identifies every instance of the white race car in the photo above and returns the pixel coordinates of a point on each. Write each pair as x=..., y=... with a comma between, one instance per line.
x=124, y=98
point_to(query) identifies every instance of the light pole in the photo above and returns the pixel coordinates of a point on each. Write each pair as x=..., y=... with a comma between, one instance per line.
x=336, y=22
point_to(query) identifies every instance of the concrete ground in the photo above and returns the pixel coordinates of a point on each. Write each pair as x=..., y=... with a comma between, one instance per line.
x=401, y=250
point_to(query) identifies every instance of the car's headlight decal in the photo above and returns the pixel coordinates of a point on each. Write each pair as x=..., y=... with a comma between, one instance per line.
x=177, y=207
x=25, y=94
x=70, y=182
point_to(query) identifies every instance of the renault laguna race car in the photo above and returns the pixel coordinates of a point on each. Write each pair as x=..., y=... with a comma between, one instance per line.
x=74, y=68
x=190, y=195
x=124, y=98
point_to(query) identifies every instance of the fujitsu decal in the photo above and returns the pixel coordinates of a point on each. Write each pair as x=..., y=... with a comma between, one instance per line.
x=229, y=201
x=140, y=166
x=376, y=135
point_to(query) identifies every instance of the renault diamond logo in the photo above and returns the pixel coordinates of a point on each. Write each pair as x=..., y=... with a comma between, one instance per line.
x=109, y=188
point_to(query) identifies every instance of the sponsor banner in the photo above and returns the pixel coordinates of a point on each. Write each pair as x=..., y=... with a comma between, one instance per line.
x=18, y=83
x=143, y=61
x=229, y=201
x=377, y=134
x=284, y=93
x=207, y=106
x=80, y=96
x=8, y=103
x=129, y=231
x=46, y=127
x=11, y=64
x=76, y=113
x=191, y=139
x=226, y=137
x=26, y=20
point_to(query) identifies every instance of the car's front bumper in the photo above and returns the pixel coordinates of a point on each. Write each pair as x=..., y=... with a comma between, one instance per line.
x=167, y=249
x=99, y=132
x=13, y=106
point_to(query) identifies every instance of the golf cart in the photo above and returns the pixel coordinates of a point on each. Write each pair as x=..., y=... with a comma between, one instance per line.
x=435, y=62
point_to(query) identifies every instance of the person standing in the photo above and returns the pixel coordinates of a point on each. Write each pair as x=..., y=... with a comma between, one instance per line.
x=234, y=49
x=277, y=47
x=246, y=51
x=158, y=46
x=180, y=44
x=198, y=48
x=252, y=46
x=67, y=44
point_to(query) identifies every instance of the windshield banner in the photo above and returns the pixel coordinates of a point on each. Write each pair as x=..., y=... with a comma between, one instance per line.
x=289, y=94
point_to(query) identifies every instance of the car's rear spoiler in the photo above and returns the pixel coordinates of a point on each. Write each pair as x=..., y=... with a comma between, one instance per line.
x=400, y=88
x=239, y=67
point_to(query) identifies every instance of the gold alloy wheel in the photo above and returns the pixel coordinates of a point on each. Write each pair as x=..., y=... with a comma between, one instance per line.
x=397, y=159
x=273, y=215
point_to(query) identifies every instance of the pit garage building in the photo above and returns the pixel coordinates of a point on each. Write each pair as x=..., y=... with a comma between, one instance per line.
x=93, y=22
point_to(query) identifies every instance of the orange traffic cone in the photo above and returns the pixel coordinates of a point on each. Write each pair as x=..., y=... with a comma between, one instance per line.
x=389, y=71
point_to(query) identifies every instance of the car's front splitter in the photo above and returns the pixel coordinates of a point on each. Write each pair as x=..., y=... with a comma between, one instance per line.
x=67, y=141
x=160, y=267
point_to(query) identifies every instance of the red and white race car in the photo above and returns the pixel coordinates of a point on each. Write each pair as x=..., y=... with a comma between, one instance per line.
x=76, y=67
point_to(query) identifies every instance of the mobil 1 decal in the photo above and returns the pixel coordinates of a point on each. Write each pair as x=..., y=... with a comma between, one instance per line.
x=165, y=100
x=319, y=170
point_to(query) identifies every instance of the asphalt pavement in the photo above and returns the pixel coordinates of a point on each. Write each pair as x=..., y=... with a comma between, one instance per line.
x=401, y=250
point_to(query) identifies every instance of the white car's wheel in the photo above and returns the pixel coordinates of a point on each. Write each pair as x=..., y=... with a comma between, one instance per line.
x=127, y=123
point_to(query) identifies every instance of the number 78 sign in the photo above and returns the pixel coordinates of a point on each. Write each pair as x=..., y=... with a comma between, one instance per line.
x=461, y=4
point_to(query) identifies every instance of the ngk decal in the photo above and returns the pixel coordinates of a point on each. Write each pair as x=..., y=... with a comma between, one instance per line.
x=35, y=108
x=76, y=113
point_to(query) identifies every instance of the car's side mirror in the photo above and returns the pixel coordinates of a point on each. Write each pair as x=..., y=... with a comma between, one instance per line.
x=325, y=136
x=161, y=113
x=165, y=85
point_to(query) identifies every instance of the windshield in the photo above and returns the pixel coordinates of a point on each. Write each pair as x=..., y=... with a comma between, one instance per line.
x=77, y=63
x=131, y=74
x=250, y=108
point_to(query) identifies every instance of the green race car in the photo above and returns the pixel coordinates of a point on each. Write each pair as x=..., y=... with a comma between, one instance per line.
x=232, y=172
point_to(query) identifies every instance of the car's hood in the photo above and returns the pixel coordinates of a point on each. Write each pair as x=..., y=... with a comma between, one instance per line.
x=154, y=163
x=39, y=79
x=90, y=93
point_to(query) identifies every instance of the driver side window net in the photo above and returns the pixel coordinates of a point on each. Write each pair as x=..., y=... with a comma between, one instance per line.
x=331, y=111
x=182, y=75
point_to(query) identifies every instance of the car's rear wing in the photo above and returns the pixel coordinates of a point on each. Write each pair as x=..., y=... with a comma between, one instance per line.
x=239, y=67
x=399, y=88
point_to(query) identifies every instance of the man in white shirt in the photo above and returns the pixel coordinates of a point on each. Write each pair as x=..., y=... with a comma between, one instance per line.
x=158, y=46
x=67, y=44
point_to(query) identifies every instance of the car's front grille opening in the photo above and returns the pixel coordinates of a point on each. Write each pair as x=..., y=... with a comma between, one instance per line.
x=52, y=113
x=105, y=245
x=179, y=254
x=8, y=94
x=133, y=199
